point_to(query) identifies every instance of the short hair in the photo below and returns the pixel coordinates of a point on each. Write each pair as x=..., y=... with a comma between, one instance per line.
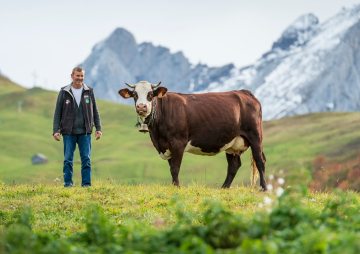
x=78, y=68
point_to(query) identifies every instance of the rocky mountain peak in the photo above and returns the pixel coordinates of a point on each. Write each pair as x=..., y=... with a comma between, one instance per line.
x=119, y=59
x=120, y=36
x=298, y=33
x=123, y=44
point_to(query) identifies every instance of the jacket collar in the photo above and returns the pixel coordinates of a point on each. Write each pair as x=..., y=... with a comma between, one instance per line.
x=68, y=87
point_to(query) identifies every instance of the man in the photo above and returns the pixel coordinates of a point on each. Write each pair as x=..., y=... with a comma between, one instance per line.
x=75, y=114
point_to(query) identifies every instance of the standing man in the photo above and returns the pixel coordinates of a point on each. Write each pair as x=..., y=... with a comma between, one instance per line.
x=75, y=114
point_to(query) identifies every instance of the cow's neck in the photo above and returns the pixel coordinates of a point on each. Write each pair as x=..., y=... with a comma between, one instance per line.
x=154, y=126
x=148, y=120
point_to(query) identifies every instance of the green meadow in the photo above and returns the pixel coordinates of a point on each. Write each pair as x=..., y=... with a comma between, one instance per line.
x=125, y=155
x=159, y=218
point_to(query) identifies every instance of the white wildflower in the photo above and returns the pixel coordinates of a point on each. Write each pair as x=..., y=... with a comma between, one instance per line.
x=267, y=200
x=271, y=177
x=279, y=191
x=270, y=187
x=281, y=172
x=281, y=181
x=261, y=205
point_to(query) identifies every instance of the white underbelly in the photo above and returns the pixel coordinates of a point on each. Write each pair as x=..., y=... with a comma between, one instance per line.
x=237, y=145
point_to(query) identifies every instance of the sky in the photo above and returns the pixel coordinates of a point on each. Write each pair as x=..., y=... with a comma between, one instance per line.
x=42, y=41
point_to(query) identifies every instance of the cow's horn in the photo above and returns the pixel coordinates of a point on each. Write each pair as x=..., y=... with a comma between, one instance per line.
x=131, y=86
x=154, y=86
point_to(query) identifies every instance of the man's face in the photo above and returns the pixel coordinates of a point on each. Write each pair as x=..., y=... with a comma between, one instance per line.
x=78, y=77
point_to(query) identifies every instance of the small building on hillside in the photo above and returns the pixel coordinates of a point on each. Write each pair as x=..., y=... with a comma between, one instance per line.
x=39, y=158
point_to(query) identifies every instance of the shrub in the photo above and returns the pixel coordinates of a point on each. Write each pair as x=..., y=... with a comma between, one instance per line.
x=291, y=227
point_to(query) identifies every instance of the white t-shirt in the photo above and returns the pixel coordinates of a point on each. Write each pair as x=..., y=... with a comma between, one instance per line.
x=77, y=94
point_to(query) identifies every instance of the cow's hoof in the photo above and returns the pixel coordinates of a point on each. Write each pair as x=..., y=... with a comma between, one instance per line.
x=263, y=190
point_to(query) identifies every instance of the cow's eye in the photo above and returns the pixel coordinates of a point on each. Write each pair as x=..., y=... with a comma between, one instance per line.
x=150, y=96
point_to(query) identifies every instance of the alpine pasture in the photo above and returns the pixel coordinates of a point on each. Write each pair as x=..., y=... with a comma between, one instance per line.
x=125, y=155
x=133, y=208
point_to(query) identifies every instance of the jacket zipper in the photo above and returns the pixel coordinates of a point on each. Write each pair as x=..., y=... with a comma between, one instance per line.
x=72, y=124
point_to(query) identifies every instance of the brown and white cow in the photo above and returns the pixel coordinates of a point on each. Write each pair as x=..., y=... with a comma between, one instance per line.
x=202, y=124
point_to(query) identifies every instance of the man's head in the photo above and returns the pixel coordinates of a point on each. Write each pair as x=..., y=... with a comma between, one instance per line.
x=143, y=95
x=77, y=75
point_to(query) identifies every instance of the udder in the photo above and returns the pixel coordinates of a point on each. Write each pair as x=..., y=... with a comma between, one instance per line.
x=237, y=146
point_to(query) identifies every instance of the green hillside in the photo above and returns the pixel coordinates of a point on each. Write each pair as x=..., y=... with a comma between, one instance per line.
x=124, y=154
x=6, y=86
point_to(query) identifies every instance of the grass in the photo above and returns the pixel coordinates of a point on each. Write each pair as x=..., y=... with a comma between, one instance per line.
x=157, y=218
x=123, y=154
x=56, y=208
x=59, y=209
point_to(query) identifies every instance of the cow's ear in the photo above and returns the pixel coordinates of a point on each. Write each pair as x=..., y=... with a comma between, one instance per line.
x=126, y=93
x=160, y=91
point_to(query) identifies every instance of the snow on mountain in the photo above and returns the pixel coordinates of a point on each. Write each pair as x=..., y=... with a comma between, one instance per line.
x=298, y=33
x=312, y=67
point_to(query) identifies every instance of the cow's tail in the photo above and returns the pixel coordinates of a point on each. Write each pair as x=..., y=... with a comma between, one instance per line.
x=254, y=171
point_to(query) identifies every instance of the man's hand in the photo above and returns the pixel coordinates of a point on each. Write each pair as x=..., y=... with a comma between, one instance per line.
x=57, y=136
x=98, y=134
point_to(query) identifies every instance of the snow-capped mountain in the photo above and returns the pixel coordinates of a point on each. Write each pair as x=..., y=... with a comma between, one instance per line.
x=312, y=67
x=119, y=59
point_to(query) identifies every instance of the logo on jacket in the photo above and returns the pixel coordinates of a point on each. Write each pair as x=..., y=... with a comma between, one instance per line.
x=67, y=101
x=87, y=100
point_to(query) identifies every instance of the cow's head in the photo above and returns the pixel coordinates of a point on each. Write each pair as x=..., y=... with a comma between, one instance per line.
x=143, y=95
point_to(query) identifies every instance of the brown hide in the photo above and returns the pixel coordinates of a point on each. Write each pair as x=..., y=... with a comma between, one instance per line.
x=209, y=121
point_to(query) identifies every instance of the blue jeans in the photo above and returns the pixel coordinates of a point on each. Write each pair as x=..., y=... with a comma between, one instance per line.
x=84, y=143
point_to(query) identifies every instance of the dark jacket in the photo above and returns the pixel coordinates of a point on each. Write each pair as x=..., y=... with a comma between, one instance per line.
x=69, y=118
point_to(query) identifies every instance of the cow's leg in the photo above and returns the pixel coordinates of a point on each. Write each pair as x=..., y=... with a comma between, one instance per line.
x=260, y=160
x=234, y=163
x=177, y=153
x=259, y=157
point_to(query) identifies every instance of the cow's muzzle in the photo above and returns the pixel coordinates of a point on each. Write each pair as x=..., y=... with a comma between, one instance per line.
x=141, y=109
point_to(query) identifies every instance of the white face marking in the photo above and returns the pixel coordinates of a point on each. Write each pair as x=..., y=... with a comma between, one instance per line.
x=142, y=89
